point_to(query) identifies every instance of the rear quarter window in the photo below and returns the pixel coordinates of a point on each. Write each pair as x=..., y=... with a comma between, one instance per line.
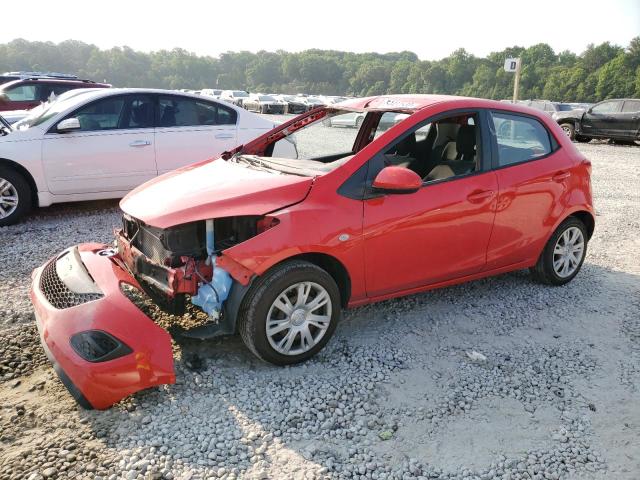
x=519, y=138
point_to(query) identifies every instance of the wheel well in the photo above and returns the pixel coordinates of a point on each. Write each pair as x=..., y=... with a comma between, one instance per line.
x=27, y=176
x=587, y=219
x=333, y=267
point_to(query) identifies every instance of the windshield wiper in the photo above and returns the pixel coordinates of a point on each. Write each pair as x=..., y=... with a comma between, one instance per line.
x=254, y=162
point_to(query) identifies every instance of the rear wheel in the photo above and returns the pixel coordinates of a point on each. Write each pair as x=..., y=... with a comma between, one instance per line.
x=290, y=313
x=569, y=130
x=15, y=196
x=563, y=254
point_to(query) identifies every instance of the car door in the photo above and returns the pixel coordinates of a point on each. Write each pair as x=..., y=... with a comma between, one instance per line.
x=603, y=119
x=532, y=175
x=112, y=151
x=190, y=130
x=631, y=118
x=438, y=233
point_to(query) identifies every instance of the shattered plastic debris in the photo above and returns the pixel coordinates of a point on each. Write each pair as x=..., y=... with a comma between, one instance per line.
x=476, y=357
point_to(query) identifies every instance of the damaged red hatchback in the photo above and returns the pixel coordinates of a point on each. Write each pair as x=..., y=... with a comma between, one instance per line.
x=454, y=189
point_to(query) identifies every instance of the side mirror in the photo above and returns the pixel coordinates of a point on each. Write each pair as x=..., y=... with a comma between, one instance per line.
x=68, y=125
x=397, y=180
x=4, y=97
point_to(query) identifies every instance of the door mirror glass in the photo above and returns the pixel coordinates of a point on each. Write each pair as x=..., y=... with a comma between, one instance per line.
x=397, y=180
x=68, y=124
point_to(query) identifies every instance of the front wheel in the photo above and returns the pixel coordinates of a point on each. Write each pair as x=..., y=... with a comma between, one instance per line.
x=290, y=313
x=569, y=130
x=15, y=196
x=563, y=254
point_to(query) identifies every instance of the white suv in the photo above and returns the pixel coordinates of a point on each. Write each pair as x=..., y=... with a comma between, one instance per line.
x=101, y=143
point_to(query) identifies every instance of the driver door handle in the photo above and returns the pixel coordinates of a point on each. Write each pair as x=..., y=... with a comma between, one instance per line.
x=480, y=195
x=140, y=143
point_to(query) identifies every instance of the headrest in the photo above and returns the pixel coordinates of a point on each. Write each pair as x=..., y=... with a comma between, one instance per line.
x=466, y=140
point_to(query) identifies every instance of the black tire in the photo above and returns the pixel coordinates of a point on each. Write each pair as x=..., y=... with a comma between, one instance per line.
x=543, y=271
x=581, y=139
x=23, y=191
x=569, y=130
x=252, y=318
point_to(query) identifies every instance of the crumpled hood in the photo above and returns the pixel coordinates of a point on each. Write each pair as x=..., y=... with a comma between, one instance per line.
x=213, y=189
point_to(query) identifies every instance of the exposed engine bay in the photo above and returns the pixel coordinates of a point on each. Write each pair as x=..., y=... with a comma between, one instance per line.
x=180, y=262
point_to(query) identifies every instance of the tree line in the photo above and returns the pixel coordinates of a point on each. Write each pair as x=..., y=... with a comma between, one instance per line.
x=600, y=72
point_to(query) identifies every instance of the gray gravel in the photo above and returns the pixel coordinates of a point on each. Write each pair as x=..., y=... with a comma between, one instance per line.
x=396, y=394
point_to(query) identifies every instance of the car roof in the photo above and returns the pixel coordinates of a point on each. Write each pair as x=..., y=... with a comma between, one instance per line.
x=57, y=81
x=89, y=94
x=411, y=103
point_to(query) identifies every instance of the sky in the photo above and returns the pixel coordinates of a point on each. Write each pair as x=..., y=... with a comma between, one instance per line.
x=431, y=29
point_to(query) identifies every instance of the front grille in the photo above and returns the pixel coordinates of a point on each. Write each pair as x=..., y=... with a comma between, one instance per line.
x=57, y=293
x=151, y=246
x=144, y=240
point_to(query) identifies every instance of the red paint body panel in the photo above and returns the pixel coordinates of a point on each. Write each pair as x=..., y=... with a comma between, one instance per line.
x=212, y=189
x=427, y=237
x=105, y=383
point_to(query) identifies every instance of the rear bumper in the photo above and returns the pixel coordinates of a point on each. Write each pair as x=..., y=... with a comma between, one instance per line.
x=103, y=383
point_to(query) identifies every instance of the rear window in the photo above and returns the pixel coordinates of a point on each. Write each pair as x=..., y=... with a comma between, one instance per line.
x=519, y=138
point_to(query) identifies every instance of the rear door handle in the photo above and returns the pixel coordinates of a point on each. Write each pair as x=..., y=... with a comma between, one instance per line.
x=224, y=135
x=561, y=176
x=480, y=195
x=140, y=143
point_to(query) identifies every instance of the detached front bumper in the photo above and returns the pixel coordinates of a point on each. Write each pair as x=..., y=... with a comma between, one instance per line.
x=128, y=353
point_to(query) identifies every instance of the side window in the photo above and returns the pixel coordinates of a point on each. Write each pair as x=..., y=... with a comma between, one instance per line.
x=177, y=111
x=446, y=148
x=519, y=138
x=119, y=112
x=101, y=115
x=138, y=112
x=226, y=116
x=631, y=106
x=606, y=107
x=23, y=93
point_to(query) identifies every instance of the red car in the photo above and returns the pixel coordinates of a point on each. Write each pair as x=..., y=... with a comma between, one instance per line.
x=28, y=93
x=274, y=248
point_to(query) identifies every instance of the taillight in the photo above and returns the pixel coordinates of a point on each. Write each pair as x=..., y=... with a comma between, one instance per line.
x=587, y=164
x=266, y=223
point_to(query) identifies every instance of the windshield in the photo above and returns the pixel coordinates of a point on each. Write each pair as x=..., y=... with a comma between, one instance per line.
x=266, y=98
x=565, y=107
x=240, y=94
x=313, y=150
x=47, y=110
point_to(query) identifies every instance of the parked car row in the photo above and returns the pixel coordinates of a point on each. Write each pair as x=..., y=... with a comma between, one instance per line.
x=614, y=119
x=269, y=103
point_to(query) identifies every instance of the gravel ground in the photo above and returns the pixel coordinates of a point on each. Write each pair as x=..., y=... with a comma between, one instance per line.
x=398, y=393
